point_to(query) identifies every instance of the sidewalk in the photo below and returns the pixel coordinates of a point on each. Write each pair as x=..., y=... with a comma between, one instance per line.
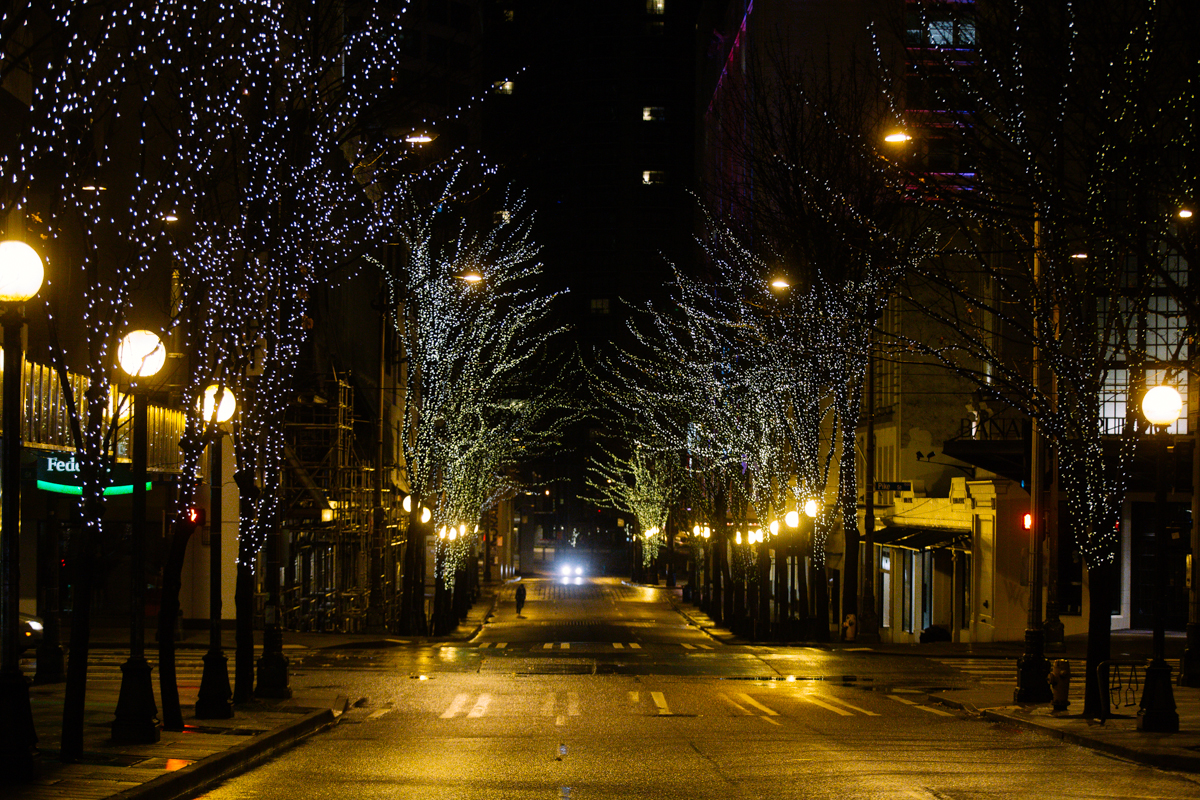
x=206, y=751
x=1117, y=736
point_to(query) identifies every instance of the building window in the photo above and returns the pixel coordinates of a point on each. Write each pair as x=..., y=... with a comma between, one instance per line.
x=509, y=14
x=651, y=176
x=599, y=305
x=502, y=87
x=656, y=6
x=653, y=113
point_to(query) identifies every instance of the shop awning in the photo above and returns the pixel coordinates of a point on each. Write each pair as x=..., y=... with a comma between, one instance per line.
x=911, y=538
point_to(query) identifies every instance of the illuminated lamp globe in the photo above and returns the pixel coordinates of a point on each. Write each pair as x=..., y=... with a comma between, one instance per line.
x=774, y=526
x=792, y=519
x=1161, y=405
x=141, y=354
x=738, y=537
x=696, y=530
x=21, y=272
x=810, y=508
x=780, y=283
x=407, y=504
x=471, y=276
x=426, y=514
x=897, y=137
x=1185, y=213
x=224, y=411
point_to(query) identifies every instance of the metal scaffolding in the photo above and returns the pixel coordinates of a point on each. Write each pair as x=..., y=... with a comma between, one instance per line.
x=327, y=500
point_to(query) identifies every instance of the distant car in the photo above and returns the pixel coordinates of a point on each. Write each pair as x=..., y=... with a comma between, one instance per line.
x=567, y=570
x=30, y=631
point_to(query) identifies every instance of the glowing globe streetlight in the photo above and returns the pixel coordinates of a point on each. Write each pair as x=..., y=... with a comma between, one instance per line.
x=810, y=508
x=21, y=275
x=214, y=700
x=140, y=354
x=1161, y=405
x=792, y=519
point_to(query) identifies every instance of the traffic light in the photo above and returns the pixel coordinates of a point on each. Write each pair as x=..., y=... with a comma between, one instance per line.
x=194, y=515
x=1028, y=522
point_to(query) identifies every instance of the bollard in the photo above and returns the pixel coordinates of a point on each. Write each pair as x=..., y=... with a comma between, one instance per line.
x=1060, y=684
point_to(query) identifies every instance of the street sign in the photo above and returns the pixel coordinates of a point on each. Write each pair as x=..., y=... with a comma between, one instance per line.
x=893, y=486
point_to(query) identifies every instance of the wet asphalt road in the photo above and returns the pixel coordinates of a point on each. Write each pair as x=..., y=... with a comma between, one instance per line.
x=602, y=690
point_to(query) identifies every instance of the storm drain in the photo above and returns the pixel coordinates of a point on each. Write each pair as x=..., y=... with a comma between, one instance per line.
x=540, y=666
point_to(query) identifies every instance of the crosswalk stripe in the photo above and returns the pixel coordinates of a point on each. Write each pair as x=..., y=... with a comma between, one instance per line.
x=937, y=711
x=731, y=702
x=687, y=646
x=633, y=697
x=824, y=705
x=770, y=712
x=635, y=646
x=480, y=706
x=618, y=646
x=840, y=701
x=501, y=645
x=565, y=646
x=379, y=712
x=548, y=646
x=548, y=705
x=706, y=647
x=661, y=702
x=455, y=707
x=573, y=704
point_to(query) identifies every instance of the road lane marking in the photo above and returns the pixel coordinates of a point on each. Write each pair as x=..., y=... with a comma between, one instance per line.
x=770, y=712
x=560, y=720
x=768, y=719
x=706, y=647
x=850, y=705
x=661, y=702
x=565, y=646
x=548, y=705
x=687, y=646
x=379, y=712
x=501, y=645
x=635, y=646
x=900, y=699
x=824, y=705
x=485, y=644
x=731, y=702
x=572, y=704
x=618, y=646
x=633, y=697
x=480, y=706
x=548, y=646
x=456, y=706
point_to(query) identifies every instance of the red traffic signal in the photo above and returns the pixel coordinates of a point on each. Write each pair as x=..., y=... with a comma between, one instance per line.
x=1028, y=522
x=195, y=516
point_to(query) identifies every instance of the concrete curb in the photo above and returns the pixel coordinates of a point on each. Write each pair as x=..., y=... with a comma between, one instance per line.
x=1172, y=761
x=207, y=772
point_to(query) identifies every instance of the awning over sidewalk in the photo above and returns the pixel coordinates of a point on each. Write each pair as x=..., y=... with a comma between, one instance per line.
x=911, y=538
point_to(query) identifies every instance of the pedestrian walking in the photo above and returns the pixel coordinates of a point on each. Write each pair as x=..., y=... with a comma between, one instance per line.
x=520, y=597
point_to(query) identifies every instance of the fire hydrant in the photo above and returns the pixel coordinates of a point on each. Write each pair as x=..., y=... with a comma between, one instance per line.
x=850, y=628
x=1060, y=684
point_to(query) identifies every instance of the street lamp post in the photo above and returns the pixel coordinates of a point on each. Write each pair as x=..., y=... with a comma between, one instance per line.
x=1160, y=407
x=214, y=699
x=141, y=354
x=21, y=274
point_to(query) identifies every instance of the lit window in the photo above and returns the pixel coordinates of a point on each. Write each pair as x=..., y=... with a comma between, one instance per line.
x=650, y=176
x=600, y=305
x=502, y=87
x=508, y=15
x=653, y=113
x=656, y=6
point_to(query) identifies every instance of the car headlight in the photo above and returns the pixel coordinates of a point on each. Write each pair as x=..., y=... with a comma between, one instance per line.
x=566, y=569
x=579, y=570
x=35, y=625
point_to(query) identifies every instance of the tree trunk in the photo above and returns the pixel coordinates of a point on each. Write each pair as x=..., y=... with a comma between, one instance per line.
x=243, y=603
x=820, y=584
x=1099, y=641
x=168, y=616
x=82, y=549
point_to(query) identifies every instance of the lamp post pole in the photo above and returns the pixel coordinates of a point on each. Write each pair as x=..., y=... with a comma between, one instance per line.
x=21, y=274
x=136, y=719
x=18, y=739
x=1158, y=714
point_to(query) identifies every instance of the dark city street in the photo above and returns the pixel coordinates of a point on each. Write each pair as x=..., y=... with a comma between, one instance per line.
x=621, y=399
